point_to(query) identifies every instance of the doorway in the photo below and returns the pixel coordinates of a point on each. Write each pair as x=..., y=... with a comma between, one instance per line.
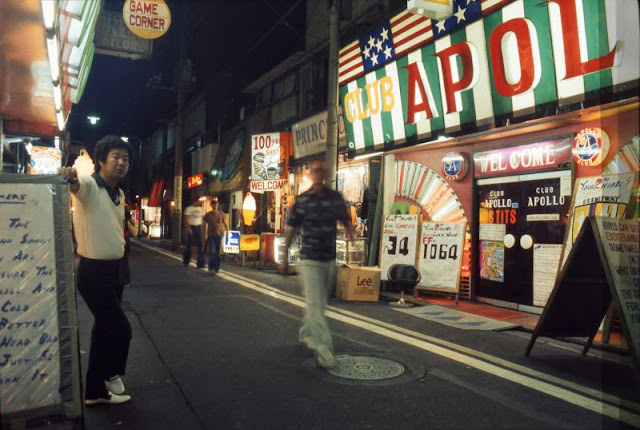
x=522, y=221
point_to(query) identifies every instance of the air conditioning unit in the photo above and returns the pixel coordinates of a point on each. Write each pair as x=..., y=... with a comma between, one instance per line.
x=431, y=8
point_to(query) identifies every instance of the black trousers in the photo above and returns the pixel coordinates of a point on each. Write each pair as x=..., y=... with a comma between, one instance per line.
x=99, y=283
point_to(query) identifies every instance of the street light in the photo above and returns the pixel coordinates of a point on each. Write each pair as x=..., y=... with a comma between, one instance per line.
x=93, y=119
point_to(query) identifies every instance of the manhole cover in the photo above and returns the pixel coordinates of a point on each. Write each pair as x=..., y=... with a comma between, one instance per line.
x=365, y=368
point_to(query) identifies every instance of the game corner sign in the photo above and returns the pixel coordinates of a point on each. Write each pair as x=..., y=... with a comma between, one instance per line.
x=414, y=77
x=148, y=19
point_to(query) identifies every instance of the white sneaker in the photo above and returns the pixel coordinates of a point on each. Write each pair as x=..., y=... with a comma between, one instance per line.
x=113, y=399
x=326, y=359
x=115, y=384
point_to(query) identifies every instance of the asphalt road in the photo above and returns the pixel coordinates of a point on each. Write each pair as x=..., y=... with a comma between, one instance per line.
x=221, y=352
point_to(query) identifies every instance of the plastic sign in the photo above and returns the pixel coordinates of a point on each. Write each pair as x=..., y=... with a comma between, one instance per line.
x=269, y=158
x=231, y=243
x=45, y=160
x=590, y=146
x=250, y=242
x=148, y=19
x=195, y=180
x=454, y=166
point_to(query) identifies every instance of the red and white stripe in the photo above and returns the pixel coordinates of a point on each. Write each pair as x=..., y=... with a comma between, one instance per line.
x=489, y=6
x=410, y=31
x=350, y=64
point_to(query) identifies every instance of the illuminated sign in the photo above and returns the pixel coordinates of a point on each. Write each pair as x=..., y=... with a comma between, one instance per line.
x=524, y=158
x=590, y=146
x=148, y=19
x=249, y=242
x=454, y=166
x=480, y=64
x=195, y=180
x=269, y=160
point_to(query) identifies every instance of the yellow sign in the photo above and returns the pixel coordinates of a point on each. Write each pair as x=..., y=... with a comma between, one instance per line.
x=249, y=242
x=148, y=19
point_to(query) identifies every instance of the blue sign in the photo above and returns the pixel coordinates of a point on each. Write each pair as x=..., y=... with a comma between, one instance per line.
x=231, y=243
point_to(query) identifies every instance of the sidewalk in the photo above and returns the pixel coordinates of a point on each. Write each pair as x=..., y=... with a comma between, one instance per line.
x=526, y=321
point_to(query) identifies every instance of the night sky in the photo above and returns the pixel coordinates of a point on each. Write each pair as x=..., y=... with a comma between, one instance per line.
x=238, y=38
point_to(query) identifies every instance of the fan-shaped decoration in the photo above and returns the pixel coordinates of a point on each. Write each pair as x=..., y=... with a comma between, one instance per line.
x=420, y=189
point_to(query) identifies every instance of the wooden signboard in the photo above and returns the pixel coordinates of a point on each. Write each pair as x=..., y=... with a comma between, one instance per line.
x=602, y=267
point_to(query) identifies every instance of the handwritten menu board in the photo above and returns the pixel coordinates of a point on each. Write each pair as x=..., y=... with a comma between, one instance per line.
x=399, y=236
x=440, y=258
x=620, y=240
x=36, y=297
x=606, y=195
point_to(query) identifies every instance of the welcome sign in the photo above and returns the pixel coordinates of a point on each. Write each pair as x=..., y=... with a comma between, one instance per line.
x=414, y=77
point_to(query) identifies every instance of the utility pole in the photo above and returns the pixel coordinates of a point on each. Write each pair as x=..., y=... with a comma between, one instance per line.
x=331, y=156
x=176, y=234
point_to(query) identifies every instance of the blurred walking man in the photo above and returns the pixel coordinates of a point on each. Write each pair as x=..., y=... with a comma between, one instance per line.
x=316, y=212
x=193, y=215
x=98, y=222
x=214, y=227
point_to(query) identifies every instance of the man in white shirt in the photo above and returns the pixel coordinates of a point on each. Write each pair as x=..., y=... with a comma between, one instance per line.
x=98, y=222
x=193, y=215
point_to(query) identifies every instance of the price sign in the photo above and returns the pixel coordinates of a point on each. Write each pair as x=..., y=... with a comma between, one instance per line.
x=440, y=258
x=399, y=237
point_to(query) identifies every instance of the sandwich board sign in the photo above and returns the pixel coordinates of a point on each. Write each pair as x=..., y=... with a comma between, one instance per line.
x=602, y=266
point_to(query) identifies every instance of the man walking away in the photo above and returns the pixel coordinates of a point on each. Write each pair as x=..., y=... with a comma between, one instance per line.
x=214, y=227
x=98, y=222
x=316, y=212
x=193, y=215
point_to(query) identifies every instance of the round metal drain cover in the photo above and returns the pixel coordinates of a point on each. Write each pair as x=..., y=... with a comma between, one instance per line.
x=364, y=368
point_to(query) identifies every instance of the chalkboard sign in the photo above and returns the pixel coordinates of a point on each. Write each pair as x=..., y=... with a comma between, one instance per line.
x=39, y=359
x=602, y=266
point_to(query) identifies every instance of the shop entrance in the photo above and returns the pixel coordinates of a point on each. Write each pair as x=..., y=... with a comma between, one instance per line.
x=522, y=221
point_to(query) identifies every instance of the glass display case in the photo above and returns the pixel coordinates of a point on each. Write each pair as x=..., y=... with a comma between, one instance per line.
x=351, y=251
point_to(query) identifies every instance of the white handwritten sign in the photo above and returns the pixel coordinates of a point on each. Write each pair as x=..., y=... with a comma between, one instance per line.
x=440, y=258
x=29, y=362
x=606, y=195
x=621, y=245
x=399, y=236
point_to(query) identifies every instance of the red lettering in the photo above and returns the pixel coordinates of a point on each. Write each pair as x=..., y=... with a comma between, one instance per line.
x=469, y=73
x=414, y=80
x=574, y=65
x=529, y=75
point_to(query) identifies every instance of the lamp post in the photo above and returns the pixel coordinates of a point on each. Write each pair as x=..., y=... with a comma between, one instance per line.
x=135, y=184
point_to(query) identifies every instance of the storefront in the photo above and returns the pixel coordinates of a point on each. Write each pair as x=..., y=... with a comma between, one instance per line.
x=480, y=95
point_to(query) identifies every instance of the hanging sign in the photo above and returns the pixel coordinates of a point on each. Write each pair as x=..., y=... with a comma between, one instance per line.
x=590, y=146
x=440, y=258
x=399, y=237
x=148, y=19
x=195, y=180
x=269, y=160
x=454, y=166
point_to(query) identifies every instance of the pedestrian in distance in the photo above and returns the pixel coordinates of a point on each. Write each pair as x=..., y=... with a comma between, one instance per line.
x=98, y=222
x=193, y=215
x=215, y=225
x=317, y=212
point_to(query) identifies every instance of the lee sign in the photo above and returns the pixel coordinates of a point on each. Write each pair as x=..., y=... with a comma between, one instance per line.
x=413, y=76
